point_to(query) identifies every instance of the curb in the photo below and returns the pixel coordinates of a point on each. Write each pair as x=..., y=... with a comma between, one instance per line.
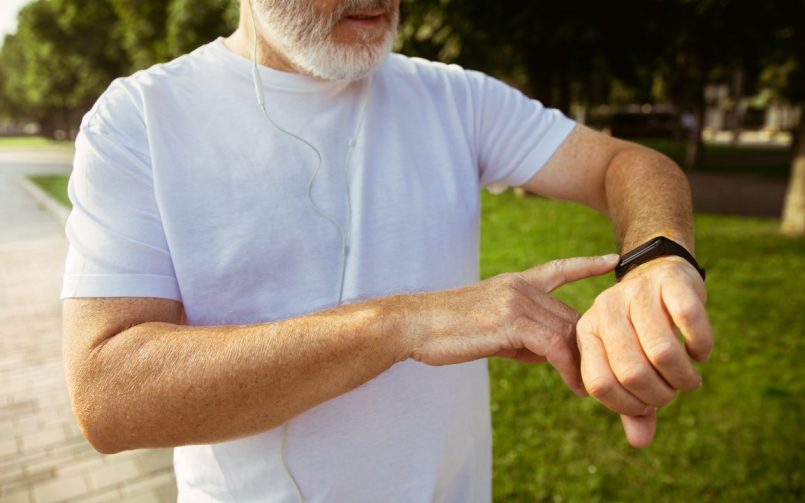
x=51, y=205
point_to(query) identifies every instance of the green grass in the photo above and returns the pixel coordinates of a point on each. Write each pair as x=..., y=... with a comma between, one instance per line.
x=55, y=186
x=32, y=142
x=739, y=438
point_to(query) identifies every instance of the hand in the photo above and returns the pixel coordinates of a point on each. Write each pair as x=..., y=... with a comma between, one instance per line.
x=510, y=315
x=631, y=358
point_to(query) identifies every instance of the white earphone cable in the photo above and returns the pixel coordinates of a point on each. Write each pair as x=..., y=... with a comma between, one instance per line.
x=344, y=233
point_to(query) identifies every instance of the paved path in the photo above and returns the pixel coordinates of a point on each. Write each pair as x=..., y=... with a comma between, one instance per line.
x=740, y=195
x=43, y=456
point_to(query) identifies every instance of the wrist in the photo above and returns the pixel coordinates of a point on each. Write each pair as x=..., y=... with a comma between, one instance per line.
x=660, y=263
x=396, y=325
x=684, y=240
x=657, y=248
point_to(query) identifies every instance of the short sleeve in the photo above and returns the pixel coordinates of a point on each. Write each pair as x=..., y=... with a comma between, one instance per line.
x=515, y=136
x=117, y=243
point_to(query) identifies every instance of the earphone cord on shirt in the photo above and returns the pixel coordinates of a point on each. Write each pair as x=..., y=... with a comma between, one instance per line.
x=258, y=85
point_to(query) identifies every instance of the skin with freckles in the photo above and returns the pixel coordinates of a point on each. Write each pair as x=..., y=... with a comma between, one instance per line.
x=139, y=377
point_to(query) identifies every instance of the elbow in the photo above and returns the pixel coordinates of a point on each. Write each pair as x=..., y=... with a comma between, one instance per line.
x=95, y=420
x=102, y=443
x=652, y=158
x=100, y=435
x=102, y=447
x=92, y=398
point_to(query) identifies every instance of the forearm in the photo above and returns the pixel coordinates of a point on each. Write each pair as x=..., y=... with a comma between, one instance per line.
x=648, y=195
x=161, y=385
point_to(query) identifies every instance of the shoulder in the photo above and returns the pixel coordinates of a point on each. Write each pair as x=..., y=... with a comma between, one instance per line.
x=422, y=70
x=443, y=83
x=126, y=97
x=420, y=67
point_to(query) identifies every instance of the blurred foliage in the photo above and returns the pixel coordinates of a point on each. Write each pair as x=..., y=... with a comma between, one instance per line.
x=143, y=28
x=192, y=23
x=577, y=50
x=54, y=66
x=66, y=52
x=581, y=52
x=158, y=30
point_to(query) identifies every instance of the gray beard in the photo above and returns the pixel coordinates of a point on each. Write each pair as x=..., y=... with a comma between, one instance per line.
x=305, y=37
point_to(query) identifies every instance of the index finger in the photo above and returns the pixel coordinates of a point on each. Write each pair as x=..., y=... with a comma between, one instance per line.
x=553, y=274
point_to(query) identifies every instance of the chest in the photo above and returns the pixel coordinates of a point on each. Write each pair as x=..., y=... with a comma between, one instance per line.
x=251, y=209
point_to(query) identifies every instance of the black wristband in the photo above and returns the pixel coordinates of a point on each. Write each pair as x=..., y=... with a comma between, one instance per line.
x=656, y=248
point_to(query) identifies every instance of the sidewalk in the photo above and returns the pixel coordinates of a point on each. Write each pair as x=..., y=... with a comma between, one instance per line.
x=43, y=456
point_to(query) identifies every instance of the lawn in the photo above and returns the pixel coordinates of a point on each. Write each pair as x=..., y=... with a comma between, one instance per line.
x=54, y=185
x=739, y=438
x=32, y=142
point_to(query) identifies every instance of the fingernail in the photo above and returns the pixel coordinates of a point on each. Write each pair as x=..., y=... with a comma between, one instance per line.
x=612, y=257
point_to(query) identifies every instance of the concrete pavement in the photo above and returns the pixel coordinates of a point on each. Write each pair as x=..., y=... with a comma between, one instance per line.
x=43, y=456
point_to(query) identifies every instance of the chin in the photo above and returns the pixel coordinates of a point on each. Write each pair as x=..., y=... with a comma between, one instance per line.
x=343, y=61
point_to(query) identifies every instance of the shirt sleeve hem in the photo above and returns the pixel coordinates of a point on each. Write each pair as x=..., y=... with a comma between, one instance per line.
x=539, y=156
x=121, y=285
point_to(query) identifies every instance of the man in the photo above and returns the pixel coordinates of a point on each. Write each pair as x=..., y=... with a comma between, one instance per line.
x=212, y=236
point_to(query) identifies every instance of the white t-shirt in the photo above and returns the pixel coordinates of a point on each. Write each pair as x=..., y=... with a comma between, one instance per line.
x=183, y=190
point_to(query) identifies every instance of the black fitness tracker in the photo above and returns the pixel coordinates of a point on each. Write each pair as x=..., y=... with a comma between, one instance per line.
x=656, y=248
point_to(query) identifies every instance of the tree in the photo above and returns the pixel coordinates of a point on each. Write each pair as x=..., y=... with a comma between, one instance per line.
x=54, y=67
x=66, y=52
x=794, y=207
x=572, y=51
x=548, y=49
x=192, y=23
x=142, y=25
x=11, y=61
x=788, y=78
x=155, y=31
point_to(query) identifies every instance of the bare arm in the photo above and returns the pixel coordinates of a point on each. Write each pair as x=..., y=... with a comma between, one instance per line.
x=644, y=193
x=160, y=384
x=138, y=378
x=631, y=358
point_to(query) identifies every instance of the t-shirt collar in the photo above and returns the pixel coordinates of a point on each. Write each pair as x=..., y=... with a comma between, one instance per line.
x=276, y=79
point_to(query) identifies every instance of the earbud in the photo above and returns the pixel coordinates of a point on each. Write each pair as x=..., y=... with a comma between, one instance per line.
x=258, y=86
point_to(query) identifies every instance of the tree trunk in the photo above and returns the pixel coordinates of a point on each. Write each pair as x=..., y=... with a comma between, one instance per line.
x=737, y=110
x=694, y=151
x=794, y=208
x=564, y=98
x=47, y=127
x=541, y=75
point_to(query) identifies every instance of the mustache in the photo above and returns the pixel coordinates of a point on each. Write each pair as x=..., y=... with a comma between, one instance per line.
x=352, y=5
x=309, y=24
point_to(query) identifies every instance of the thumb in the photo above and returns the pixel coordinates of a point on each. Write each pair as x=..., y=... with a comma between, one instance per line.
x=551, y=275
x=640, y=429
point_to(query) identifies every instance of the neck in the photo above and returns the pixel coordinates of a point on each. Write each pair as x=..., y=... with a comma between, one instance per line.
x=242, y=42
